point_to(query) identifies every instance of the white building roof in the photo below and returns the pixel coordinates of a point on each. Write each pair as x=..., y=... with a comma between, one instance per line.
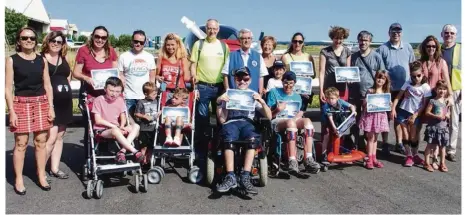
x=33, y=9
x=59, y=23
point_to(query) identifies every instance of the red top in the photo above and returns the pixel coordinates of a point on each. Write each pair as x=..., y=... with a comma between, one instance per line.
x=170, y=71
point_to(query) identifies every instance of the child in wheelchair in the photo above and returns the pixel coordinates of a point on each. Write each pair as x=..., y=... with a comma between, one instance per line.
x=239, y=125
x=110, y=120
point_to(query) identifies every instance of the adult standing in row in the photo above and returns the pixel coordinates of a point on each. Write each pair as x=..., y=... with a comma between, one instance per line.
x=96, y=54
x=397, y=55
x=245, y=57
x=31, y=107
x=451, y=52
x=268, y=45
x=136, y=67
x=295, y=53
x=54, y=50
x=208, y=61
x=172, y=63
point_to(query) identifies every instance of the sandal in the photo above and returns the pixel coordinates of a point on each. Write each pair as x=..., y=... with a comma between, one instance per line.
x=443, y=168
x=60, y=174
x=429, y=168
x=435, y=163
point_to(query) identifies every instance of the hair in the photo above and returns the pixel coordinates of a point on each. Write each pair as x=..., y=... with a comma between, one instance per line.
x=180, y=51
x=50, y=36
x=332, y=91
x=140, y=32
x=290, y=49
x=18, y=35
x=266, y=39
x=149, y=87
x=208, y=20
x=415, y=66
x=365, y=34
x=450, y=27
x=115, y=82
x=338, y=32
x=245, y=30
x=424, y=54
x=441, y=84
x=106, y=47
x=387, y=84
x=182, y=92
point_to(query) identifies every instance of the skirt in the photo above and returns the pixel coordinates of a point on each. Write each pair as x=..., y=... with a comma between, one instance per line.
x=32, y=113
x=374, y=122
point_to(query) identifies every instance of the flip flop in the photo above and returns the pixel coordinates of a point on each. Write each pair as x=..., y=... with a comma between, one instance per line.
x=60, y=174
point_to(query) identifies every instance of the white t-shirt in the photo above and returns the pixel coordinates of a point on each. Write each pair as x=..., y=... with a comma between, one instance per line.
x=413, y=96
x=136, y=70
x=274, y=83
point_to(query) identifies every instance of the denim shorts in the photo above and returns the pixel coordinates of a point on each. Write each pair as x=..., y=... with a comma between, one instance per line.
x=403, y=115
x=238, y=130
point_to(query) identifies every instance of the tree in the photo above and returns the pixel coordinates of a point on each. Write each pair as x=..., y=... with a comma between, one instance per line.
x=82, y=38
x=113, y=40
x=13, y=22
x=124, y=42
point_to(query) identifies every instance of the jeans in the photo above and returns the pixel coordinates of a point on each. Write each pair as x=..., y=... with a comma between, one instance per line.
x=131, y=106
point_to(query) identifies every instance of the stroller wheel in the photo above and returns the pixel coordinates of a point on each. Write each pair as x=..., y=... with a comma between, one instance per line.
x=136, y=183
x=85, y=172
x=210, y=170
x=155, y=175
x=90, y=188
x=145, y=183
x=99, y=189
x=194, y=175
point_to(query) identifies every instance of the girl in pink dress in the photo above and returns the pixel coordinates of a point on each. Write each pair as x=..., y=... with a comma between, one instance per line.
x=376, y=122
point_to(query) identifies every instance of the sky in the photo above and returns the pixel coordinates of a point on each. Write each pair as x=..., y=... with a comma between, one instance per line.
x=281, y=19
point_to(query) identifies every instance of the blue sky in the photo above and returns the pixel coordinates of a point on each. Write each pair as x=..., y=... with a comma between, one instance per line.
x=419, y=18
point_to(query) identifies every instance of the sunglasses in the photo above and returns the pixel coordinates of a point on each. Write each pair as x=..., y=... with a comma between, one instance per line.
x=243, y=78
x=138, y=42
x=25, y=38
x=100, y=37
x=431, y=46
x=396, y=32
x=416, y=76
x=297, y=41
x=59, y=42
x=447, y=33
x=290, y=83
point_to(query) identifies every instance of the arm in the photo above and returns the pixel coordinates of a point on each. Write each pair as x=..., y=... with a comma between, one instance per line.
x=121, y=71
x=263, y=73
x=322, y=76
x=222, y=112
x=394, y=104
x=70, y=74
x=122, y=120
x=265, y=110
x=100, y=121
x=48, y=90
x=193, y=71
x=348, y=58
x=428, y=112
x=9, y=74
x=445, y=76
x=225, y=82
x=158, y=75
x=331, y=122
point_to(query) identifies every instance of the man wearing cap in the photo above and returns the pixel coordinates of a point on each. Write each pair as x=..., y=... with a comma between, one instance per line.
x=278, y=71
x=239, y=125
x=278, y=99
x=397, y=55
x=451, y=53
x=245, y=57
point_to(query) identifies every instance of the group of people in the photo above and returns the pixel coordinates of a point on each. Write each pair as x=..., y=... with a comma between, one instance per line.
x=427, y=90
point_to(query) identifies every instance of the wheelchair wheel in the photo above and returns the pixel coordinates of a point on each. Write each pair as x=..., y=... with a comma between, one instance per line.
x=98, y=189
x=136, y=182
x=90, y=188
x=263, y=172
x=210, y=170
x=194, y=175
x=155, y=175
x=145, y=183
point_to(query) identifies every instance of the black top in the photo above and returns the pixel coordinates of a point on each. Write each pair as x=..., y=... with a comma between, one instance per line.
x=28, y=76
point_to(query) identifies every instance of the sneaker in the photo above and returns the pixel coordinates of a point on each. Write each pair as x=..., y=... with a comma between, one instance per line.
x=120, y=158
x=176, y=142
x=369, y=164
x=400, y=148
x=409, y=161
x=168, y=141
x=139, y=157
x=451, y=157
x=247, y=185
x=386, y=150
x=293, y=166
x=417, y=160
x=229, y=182
x=311, y=165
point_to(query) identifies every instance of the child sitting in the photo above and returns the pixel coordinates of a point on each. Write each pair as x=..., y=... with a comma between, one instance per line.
x=276, y=82
x=107, y=109
x=179, y=99
x=146, y=115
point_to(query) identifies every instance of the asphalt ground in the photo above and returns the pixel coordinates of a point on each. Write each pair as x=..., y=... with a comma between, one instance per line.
x=343, y=189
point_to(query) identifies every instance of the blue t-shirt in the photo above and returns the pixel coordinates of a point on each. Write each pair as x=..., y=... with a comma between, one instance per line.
x=278, y=94
x=338, y=118
x=447, y=54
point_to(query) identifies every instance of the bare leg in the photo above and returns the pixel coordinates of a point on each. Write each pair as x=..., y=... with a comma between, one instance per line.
x=229, y=160
x=116, y=132
x=179, y=125
x=19, y=153
x=57, y=150
x=52, y=137
x=288, y=125
x=133, y=132
x=306, y=123
x=40, y=139
x=249, y=159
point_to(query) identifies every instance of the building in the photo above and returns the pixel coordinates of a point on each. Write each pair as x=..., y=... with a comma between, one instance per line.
x=34, y=10
x=73, y=30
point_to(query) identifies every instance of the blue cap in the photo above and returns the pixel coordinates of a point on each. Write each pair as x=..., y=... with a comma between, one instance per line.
x=278, y=63
x=290, y=76
x=395, y=26
x=241, y=71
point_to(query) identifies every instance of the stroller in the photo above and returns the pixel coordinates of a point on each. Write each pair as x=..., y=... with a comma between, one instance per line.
x=186, y=150
x=101, y=160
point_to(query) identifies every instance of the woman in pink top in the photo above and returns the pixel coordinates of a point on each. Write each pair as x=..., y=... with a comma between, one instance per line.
x=172, y=63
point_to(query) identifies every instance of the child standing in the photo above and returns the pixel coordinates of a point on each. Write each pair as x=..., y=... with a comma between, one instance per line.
x=146, y=115
x=414, y=93
x=437, y=132
x=276, y=82
x=374, y=123
x=179, y=99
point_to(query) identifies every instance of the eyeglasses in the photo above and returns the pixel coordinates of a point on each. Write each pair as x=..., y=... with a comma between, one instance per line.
x=59, y=42
x=25, y=38
x=447, y=33
x=416, y=76
x=243, y=78
x=298, y=41
x=246, y=38
x=100, y=37
x=288, y=83
x=138, y=42
x=430, y=46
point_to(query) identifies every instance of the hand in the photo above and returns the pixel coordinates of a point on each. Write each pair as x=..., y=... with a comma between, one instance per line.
x=411, y=119
x=197, y=94
x=257, y=97
x=222, y=98
x=51, y=114
x=158, y=115
x=393, y=114
x=89, y=81
x=122, y=129
x=281, y=106
x=322, y=96
x=160, y=78
x=13, y=119
x=355, y=113
x=449, y=101
x=148, y=117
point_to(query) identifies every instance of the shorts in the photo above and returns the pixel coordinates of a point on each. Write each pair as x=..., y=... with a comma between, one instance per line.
x=274, y=124
x=238, y=130
x=403, y=115
x=146, y=139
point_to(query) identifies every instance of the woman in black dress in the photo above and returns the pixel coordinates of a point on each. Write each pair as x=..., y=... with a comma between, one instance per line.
x=54, y=50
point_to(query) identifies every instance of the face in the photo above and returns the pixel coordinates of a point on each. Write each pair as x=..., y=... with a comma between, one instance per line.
x=416, y=76
x=297, y=43
x=246, y=40
x=442, y=92
x=112, y=92
x=288, y=86
x=380, y=81
x=395, y=35
x=332, y=100
x=55, y=44
x=242, y=81
x=152, y=95
x=278, y=72
x=138, y=42
x=338, y=41
x=449, y=36
x=431, y=48
x=212, y=29
x=171, y=46
x=268, y=47
x=178, y=100
x=364, y=43
x=27, y=40
x=100, y=38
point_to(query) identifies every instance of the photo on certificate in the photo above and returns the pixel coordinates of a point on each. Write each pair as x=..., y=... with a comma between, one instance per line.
x=302, y=68
x=150, y=109
x=292, y=109
x=240, y=100
x=303, y=86
x=173, y=112
x=378, y=102
x=100, y=76
x=347, y=74
x=345, y=126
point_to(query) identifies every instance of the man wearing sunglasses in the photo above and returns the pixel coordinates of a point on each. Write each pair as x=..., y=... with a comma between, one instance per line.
x=136, y=67
x=397, y=55
x=451, y=53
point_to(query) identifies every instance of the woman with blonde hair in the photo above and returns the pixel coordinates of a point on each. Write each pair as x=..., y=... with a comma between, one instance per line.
x=172, y=63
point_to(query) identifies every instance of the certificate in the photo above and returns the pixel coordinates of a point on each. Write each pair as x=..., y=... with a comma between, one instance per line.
x=303, y=86
x=292, y=108
x=378, y=102
x=302, y=68
x=100, y=76
x=345, y=126
x=240, y=100
x=347, y=74
x=174, y=112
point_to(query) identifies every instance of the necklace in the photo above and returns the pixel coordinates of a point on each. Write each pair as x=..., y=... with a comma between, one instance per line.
x=27, y=57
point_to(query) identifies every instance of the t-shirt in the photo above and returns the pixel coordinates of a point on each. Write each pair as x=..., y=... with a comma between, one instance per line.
x=150, y=108
x=339, y=117
x=109, y=111
x=171, y=72
x=447, y=54
x=236, y=115
x=274, y=83
x=439, y=108
x=278, y=94
x=136, y=69
x=211, y=61
x=374, y=60
x=413, y=96
x=331, y=63
x=85, y=57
